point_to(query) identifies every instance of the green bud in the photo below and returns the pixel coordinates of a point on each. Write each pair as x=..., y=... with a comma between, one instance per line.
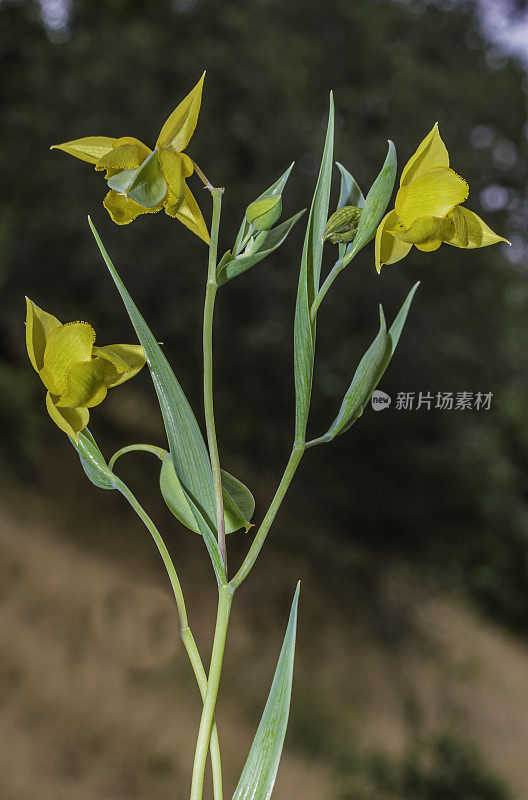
x=264, y=213
x=342, y=226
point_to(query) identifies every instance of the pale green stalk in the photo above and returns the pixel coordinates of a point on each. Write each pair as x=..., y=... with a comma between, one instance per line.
x=225, y=598
x=210, y=295
x=185, y=631
x=260, y=537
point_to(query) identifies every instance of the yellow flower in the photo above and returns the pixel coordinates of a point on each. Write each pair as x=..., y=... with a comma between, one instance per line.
x=76, y=373
x=143, y=181
x=428, y=210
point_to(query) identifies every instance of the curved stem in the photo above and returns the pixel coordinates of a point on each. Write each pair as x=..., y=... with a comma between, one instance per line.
x=225, y=597
x=131, y=448
x=185, y=632
x=210, y=295
x=260, y=536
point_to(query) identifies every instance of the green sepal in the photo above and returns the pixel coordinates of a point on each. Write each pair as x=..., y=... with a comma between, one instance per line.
x=264, y=213
x=148, y=188
x=260, y=770
x=92, y=460
x=258, y=249
x=239, y=504
x=246, y=229
x=121, y=181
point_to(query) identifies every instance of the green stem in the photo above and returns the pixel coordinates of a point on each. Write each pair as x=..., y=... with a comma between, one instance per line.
x=321, y=294
x=132, y=448
x=225, y=598
x=210, y=295
x=185, y=632
x=260, y=536
x=201, y=679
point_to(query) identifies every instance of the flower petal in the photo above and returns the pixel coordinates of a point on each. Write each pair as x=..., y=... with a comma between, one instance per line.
x=39, y=325
x=123, y=210
x=189, y=214
x=65, y=346
x=125, y=156
x=123, y=362
x=434, y=194
x=430, y=153
x=388, y=249
x=173, y=169
x=458, y=227
x=89, y=148
x=179, y=127
x=86, y=385
x=426, y=233
x=70, y=420
x=478, y=233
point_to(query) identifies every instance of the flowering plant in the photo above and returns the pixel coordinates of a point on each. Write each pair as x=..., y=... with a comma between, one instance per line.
x=200, y=494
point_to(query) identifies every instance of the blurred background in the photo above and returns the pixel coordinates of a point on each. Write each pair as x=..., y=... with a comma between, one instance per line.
x=410, y=533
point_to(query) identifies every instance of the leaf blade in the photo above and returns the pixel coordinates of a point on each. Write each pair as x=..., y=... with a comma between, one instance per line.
x=186, y=444
x=312, y=255
x=260, y=770
x=376, y=204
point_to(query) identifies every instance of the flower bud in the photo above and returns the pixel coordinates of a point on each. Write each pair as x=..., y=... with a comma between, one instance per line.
x=264, y=213
x=342, y=226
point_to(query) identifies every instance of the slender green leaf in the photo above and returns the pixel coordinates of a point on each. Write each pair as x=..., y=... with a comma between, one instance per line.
x=375, y=204
x=260, y=770
x=304, y=330
x=186, y=444
x=239, y=504
x=370, y=370
x=397, y=326
x=265, y=243
x=365, y=380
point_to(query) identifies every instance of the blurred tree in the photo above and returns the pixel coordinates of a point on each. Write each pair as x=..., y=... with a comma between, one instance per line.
x=444, y=487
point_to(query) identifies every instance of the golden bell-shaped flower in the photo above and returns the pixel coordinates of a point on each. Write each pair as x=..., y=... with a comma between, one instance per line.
x=76, y=373
x=428, y=210
x=143, y=181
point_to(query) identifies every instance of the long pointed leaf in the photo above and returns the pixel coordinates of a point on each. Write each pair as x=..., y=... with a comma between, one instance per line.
x=376, y=203
x=369, y=372
x=186, y=444
x=260, y=770
x=365, y=380
x=304, y=330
